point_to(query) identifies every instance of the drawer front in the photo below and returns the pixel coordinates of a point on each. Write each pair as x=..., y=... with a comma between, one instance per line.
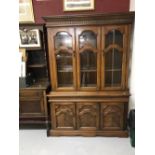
x=112, y=116
x=63, y=115
x=30, y=93
x=31, y=106
x=87, y=116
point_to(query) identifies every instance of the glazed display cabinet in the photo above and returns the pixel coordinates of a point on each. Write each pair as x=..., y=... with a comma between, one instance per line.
x=89, y=67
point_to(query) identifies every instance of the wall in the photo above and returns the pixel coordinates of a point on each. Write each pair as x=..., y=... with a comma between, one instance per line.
x=55, y=7
x=132, y=66
x=132, y=5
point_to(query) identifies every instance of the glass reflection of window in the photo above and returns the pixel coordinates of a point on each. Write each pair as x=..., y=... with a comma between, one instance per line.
x=114, y=37
x=88, y=38
x=63, y=39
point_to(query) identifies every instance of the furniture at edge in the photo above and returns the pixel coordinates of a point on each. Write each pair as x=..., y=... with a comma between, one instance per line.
x=32, y=98
x=89, y=68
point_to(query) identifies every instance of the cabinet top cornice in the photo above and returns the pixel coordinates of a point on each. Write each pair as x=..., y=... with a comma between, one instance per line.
x=90, y=19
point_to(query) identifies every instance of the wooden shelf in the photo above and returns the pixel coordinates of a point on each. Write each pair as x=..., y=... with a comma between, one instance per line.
x=36, y=66
x=66, y=69
x=88, y=85
x=64, y=57
x=113, y=69
x=88, y=70
x=40, y=83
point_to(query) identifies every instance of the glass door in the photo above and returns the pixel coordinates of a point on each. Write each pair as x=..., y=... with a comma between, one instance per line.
x=113, y=57
x=87, y=48
x=63, y=61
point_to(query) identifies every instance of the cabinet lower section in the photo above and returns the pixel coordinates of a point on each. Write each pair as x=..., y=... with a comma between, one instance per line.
x=88, y=117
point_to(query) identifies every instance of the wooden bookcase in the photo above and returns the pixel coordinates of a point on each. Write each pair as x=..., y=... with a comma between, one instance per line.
x=89, y=66
x=32, y=97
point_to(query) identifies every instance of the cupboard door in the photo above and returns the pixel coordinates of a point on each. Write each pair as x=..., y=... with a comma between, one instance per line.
x=87, y=116
x=112, y=116
x=114, y=43
x=62, y=58
x=63, y=115
x=88, y=59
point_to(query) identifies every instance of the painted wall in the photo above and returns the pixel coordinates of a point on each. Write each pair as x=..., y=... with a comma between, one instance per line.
x=132, y=5
x=55, y=7
x=132, y=66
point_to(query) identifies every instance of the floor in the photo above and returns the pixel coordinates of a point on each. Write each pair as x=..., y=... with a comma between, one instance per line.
x=35, y=142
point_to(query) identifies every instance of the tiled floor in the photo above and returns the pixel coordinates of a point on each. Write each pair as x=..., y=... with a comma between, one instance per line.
x=35, y=142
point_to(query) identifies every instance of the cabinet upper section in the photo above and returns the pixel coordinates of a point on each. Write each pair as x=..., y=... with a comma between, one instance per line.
x=89, y=57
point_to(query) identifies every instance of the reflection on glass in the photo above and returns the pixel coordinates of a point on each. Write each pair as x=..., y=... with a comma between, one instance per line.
x=88, y=68
x=108, y=78
x=88, y=38
x=113, y=59
x=64, y=69
x=88, y=60
x=114, y=37
x=108, y=60
x=117, y=59
x=88, y=79
x=109, y=38
x=63, y=39
x=65, y=79
x=113, y=67
x=117, y=79
x=118, y=38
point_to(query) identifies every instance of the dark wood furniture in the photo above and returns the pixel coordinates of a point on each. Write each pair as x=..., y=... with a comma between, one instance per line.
x=32, y=98
x=89, y=67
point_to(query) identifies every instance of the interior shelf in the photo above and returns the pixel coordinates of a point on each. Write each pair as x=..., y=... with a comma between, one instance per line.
x=64, y=57
x=65, y=69
x=37, y=65
x=113, y=69
x=43, y=82
x=88, y=70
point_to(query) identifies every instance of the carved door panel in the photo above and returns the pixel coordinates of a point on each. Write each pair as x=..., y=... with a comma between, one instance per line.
x=87, y=116
x=63, y=115
x=112, y=116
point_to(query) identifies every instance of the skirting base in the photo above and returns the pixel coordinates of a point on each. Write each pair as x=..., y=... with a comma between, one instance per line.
x=123, y=133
